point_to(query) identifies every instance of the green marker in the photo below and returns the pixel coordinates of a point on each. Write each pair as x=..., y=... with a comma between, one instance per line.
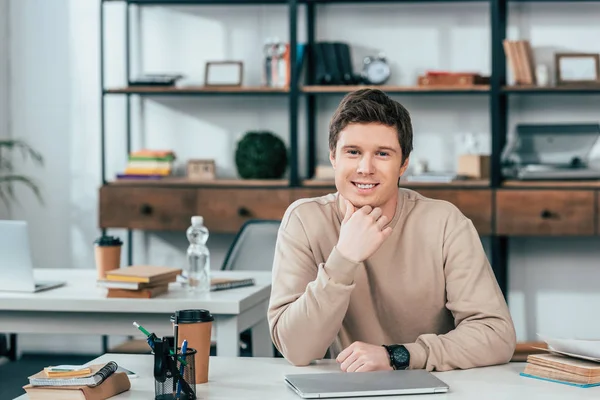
x=141, y=328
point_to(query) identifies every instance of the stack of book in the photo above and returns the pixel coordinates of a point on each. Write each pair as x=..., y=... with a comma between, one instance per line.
x=563, y=369
x=139, y=281
x=574, y=362
x=521, y=62
x=94, y=382
x=148, y=164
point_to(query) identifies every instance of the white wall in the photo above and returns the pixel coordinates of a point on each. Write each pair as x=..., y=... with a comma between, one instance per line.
x=55, y=101
x=4, y=41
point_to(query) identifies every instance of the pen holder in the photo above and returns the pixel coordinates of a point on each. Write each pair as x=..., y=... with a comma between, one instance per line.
x=174, y=376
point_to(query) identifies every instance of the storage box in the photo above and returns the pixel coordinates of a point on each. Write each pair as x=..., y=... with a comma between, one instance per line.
x=452, y=79
x=474, y=166
x=201, y=170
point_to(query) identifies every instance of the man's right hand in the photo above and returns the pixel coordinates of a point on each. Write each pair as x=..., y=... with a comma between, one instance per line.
x=362, y=232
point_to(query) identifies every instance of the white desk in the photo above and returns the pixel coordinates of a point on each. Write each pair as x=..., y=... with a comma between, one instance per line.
x=81, y=307
x=262, y=378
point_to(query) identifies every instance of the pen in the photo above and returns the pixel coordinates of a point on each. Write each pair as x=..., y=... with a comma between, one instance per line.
x=148, y=334
x=183, y=351
x=175, y=332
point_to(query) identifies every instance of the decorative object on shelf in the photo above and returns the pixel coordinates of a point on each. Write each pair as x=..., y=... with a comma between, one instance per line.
x=446, y=78
x=521, y=61
x=224, y=73
x=201, y=170
x=324, y=172
x=261, y=155
x=475, y=166
x=148, y=164
x=551, y=152
x=376, y=70
x=276, y=71
x=156, y=80
x=8, y=177
x=472, y=164
x=577, y=68
x=542, y=75
x=420, y=167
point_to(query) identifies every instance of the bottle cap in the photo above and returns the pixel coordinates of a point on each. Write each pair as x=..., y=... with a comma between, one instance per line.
x=197, y=220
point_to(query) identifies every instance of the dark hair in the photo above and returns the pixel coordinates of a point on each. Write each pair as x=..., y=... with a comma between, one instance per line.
x=372, y=106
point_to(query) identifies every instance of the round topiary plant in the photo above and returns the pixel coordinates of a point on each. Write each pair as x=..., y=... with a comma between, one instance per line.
x=261, y=155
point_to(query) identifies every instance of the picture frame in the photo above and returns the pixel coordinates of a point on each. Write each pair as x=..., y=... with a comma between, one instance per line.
x=224, y=73
x=577, y=68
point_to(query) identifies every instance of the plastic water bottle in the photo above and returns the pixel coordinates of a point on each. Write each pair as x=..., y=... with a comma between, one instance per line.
x=198, y=257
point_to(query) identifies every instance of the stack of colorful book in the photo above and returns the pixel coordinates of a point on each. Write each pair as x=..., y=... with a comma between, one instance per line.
x=139, y=281
x=148, y=164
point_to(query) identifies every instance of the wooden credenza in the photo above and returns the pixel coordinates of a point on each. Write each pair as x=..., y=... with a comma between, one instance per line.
x=511, y=211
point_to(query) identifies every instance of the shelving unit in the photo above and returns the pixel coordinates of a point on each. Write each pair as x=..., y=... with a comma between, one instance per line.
x=167, y=204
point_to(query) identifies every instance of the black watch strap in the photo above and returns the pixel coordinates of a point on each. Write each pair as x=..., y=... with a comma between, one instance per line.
x=399, y=356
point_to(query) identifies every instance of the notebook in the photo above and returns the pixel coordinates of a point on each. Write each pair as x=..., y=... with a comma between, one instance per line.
x=112, y=386
x=225, y=283
x=98, y=374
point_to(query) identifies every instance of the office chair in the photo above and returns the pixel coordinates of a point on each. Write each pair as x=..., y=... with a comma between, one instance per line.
x=252, y=249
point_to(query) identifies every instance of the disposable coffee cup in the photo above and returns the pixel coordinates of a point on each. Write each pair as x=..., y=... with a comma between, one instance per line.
x=195, y=326
x=107, y=252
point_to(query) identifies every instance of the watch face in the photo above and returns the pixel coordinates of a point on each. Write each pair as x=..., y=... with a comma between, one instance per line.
x=377, y=72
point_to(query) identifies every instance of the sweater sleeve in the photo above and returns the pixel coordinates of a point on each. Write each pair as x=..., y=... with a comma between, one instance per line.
x=308, y=299
x=484, y=333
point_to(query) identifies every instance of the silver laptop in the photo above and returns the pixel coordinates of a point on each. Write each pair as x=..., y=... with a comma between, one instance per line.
x=16, y=268
x=360, y=384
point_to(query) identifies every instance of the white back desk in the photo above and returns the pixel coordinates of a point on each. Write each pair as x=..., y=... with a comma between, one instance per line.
x=81, y=307
x=262, y=379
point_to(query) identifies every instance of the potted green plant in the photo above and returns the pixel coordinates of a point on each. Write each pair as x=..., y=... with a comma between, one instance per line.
x=8, y=177
x=261, y=155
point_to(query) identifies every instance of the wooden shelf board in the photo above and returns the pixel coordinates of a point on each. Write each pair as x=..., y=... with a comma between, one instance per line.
x=197, y=90
x=475, y=183
x=397, y=89
x=552, y=89
x=552, y=184
x=184, y=182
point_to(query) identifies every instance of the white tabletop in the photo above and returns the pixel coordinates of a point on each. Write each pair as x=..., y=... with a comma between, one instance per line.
x=262, y=378
x=81, y=294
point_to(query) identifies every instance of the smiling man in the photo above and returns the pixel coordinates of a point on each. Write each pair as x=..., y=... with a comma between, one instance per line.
x=378, y=276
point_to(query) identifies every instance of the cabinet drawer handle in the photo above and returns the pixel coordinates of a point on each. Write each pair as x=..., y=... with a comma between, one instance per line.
x=243, y=212
x=546, y=214
x=146, y=209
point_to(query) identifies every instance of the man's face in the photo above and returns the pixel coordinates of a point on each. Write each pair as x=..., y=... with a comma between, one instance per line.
x=368, y=163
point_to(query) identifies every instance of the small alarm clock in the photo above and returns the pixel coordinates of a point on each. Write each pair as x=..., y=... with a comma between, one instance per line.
x=376, y=70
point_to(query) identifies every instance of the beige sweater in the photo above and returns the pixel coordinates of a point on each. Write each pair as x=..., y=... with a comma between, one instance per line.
x=429, y=287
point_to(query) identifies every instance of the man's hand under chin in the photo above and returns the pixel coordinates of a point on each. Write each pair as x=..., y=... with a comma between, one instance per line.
x=362, y=232
x=362, y=357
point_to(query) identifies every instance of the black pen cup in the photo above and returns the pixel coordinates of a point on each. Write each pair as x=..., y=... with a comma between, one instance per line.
x=177, y=377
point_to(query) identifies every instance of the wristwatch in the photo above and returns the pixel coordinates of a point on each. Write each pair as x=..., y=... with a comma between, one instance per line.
x=399, y=356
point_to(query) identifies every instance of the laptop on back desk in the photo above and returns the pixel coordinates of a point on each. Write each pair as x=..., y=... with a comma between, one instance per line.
x=16, y=268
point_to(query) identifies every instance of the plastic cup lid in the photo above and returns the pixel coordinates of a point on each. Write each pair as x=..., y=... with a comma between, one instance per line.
x=192, y=316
